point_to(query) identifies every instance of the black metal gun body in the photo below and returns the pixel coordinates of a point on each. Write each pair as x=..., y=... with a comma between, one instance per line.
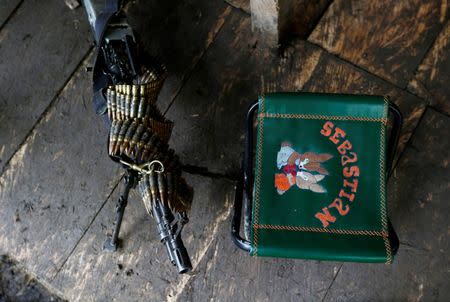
x=119, y=62
x=169, y=233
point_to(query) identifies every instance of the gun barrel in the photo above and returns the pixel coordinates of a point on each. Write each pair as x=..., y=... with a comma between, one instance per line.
x=181, y=257
x=174, y=244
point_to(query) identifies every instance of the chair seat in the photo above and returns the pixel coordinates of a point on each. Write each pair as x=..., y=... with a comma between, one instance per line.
x=320, y=178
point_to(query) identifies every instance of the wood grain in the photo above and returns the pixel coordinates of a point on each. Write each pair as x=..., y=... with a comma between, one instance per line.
x=58, y=180
x=141, y=270
x=35, y=62
x=242, y=4
x=6, y=8
x=276, y=22
x=177, y=34
x=230, y=274
x=209, y=111
x=56, y=183
x=387, y=38
x=433, y=76
x=419, y=211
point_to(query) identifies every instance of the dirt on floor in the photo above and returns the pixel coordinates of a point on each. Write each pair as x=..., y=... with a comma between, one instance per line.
x=18, y=286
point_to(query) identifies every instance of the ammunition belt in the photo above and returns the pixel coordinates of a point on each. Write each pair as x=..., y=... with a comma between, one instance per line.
x=140, y=132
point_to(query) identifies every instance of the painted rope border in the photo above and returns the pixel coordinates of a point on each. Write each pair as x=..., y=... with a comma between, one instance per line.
x=323, y=117
x=321, y=230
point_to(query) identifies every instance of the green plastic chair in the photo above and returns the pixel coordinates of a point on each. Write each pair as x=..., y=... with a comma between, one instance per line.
x=318, y=187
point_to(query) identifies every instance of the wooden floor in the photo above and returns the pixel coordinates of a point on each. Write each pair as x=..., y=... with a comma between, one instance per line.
x=58, y=187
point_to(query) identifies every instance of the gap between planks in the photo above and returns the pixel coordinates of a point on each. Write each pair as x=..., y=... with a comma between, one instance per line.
x=47, y=110
x=11, y=15
x=332, y=282
x=188, y=74
x=87, y=227
x=408, y=142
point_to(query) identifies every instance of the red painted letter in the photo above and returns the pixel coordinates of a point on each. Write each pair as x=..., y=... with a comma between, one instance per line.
x=350, y=197
x=338, y=132
x=346, y=145
x=347, y=159
x=353, y=185
x=325, y=217
x=337, y=203
x=327, y=127
x=352, y=171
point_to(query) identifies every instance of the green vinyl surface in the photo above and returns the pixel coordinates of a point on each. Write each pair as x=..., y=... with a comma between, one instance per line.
x=320, y=181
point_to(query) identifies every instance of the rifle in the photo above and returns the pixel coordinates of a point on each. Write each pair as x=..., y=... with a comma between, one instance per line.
x=126, y=83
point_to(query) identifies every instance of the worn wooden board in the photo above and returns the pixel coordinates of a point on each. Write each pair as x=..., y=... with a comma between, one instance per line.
x=40, y=48
x=230, y=274
x=140, y=270
x=210, y=109
x=6, y=8
x=17, y=285
x=276, y=22
x=177, y=34
x=56, y=183
x=419, y=191
x=433, y=75
x=61, y=175
x=335, y=76
x=242, y=4
x=388, y=38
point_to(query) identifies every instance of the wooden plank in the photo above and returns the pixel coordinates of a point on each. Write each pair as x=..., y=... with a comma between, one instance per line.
x=387, y=38
x=60, y=177
x=6, y=8
x=141, y=270
x=420, y=212
x=433, y=76
x=209, y=111
x=242, y=4
x=230, y=274
x=276, y=21
x=17, y=285
x=335, y=76
x=35, y=62
x=56, y=183
x=177, y=34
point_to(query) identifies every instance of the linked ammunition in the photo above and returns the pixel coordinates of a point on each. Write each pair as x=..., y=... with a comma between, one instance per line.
x=122, y=132
x=127, y=100
x=108, y=102
x=142, y=102
x=153, y=186
x=113, y=105
x=140, y=145
x=147, y=147
x=127, y=138
x=114, y=135
x=135, y=139
x=170, y=189
x=162, y=187
x=121, y=103
x=134, y=101
x=144, y=189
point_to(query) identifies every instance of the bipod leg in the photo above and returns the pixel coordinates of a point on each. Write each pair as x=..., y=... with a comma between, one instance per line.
x=112, y=241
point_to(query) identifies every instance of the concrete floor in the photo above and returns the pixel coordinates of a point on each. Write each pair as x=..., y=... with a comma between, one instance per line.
x=58, y=187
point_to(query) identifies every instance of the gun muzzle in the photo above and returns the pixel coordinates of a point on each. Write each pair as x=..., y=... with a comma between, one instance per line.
x=171, y=238
x=181, y=258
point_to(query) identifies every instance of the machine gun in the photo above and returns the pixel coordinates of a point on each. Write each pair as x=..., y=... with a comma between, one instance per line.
x=126, y=83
